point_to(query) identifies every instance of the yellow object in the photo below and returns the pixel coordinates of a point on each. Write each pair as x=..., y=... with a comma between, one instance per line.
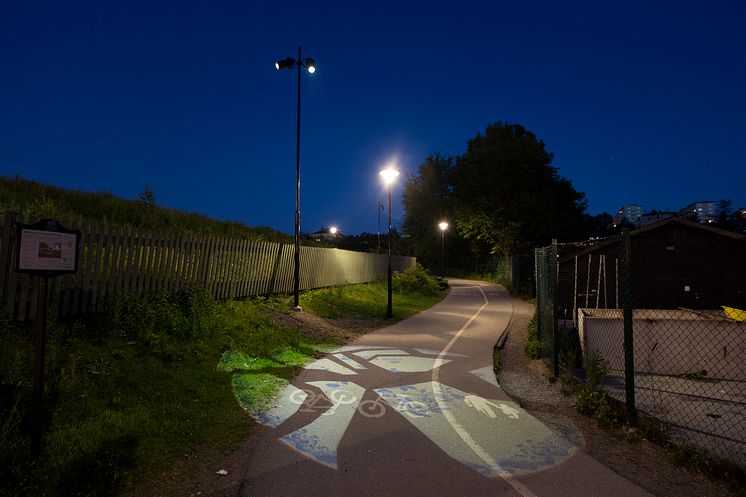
x=736, y=314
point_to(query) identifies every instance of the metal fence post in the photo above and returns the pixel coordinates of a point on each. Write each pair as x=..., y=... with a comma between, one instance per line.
x=629, y=357
x=539, y=300
x=553, y=267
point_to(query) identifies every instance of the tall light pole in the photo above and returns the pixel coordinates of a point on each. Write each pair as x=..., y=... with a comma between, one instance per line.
x=380, y=208
x=443, y=227
x=289, y=63
x=389, y=176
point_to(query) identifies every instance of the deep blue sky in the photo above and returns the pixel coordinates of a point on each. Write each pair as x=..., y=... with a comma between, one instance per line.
x=640, y=102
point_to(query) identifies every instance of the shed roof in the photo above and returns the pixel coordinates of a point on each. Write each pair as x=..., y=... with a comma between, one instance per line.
x=586, y=249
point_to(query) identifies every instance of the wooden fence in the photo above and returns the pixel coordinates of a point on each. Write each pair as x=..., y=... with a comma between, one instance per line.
x=123, y=260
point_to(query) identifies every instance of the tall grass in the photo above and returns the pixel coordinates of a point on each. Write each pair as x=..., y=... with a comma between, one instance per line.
x=132, y=390
x=413, y=290
x=128, y=391
x=36, y=200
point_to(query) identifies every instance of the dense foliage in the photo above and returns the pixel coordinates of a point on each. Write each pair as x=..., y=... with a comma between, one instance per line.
x=427, y=200
x=503, y=194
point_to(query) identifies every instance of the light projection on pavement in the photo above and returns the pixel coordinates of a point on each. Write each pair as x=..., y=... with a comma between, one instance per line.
x=493, y=437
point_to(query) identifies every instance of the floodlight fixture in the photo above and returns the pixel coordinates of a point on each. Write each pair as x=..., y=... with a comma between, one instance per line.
x=286, y=63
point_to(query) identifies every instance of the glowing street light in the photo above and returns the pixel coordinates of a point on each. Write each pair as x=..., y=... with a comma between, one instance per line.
x=310, y=65
x=333, y=230
x=389, y=175
x=443, y=227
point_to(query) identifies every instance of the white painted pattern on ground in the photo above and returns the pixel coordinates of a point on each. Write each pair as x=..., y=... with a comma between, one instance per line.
x=462, y=433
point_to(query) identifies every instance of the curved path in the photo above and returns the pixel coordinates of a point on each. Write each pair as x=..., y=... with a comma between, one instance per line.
x=414, y=410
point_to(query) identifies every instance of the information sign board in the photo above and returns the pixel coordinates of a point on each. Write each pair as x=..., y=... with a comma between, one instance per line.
x=46, y=248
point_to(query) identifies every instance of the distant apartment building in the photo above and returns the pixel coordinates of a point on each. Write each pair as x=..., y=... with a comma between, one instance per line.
x=632, y=213
x=700, y=212
x=654, y=217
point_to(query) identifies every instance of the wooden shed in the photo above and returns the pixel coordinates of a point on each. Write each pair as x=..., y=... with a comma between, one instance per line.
x=675, y=264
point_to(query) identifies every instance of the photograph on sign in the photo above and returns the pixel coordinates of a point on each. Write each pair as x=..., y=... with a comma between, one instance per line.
x=47, y=251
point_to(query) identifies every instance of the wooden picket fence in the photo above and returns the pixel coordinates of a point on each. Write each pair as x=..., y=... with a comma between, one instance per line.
x=123, y=260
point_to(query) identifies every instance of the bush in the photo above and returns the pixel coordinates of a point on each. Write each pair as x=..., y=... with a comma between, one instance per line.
x=415, y=280
x=592, y=397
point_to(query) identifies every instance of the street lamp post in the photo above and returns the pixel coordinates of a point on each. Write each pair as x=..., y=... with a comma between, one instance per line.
x=289, y=63
x=443, y=227
x=389, y=176
x=378, y=246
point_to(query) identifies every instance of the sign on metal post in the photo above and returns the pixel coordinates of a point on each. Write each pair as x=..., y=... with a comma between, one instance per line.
x=45, y=249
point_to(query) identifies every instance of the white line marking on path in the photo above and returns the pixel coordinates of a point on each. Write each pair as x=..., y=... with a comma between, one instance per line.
x=460, y=431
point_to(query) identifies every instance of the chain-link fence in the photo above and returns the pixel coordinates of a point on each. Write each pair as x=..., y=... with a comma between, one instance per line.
x=659, y=308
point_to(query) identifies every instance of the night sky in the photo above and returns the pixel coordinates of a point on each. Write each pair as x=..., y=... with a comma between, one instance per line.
x=639, y=102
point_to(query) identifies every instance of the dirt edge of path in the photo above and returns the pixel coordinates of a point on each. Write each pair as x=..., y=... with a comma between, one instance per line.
x=196, y=474
x=642, y=462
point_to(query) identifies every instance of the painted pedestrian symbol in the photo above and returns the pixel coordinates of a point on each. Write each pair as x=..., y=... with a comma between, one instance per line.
x=449, y=417
x=485, y=406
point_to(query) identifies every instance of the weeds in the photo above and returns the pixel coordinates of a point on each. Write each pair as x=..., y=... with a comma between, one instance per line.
x=700, y=460
x=413, y=290
x=592, y=397
x=533, y=347
x=130, y=391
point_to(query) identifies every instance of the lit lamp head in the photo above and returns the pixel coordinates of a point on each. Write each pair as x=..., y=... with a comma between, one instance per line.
x=443, y=225
x=333, y=230
x=310, y=65
x=389, y=175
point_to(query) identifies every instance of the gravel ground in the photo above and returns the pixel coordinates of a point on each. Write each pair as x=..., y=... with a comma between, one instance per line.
x=642, y=462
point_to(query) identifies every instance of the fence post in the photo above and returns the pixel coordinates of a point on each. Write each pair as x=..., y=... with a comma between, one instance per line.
x=539, y=300
x=629, y=357
x=553, y=268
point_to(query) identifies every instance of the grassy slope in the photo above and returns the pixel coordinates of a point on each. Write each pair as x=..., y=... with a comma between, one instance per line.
x=131, y=392
x=36, y=200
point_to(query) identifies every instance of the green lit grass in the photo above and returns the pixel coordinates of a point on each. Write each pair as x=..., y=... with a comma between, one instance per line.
x=254, y=391
x=366, y=301
x=131, y=392
x=241, y=361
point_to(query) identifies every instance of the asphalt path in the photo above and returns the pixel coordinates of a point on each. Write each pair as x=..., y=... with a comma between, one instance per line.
x=414, y=409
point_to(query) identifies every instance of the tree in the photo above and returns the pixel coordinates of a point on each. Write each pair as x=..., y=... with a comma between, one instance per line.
x=427, y=200
x=508, y=197
x=146, y=197
x=598, y=226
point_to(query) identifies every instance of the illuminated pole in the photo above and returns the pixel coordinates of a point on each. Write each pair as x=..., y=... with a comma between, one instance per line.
x=443, y=227
x=309, y=64
x=380, y=208
x=389, y=176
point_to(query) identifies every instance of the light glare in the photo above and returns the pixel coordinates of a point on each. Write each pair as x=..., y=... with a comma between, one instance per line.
x=389, y=175
x=443, y=225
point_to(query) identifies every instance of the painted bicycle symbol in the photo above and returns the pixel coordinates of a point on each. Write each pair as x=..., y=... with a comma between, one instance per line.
x=312, y=401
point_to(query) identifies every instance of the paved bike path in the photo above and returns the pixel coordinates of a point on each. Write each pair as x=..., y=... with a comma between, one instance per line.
x=414, y=409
